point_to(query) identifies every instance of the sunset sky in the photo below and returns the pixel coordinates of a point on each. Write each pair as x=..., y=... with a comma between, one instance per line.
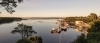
x=54, y=8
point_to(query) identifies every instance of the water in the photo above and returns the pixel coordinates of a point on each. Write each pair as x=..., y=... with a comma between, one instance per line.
x=43, y=29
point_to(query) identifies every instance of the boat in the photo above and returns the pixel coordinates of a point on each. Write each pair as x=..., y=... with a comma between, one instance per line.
x=55, y=30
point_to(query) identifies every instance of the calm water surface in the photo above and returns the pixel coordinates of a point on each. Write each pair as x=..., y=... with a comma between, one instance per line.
x=42, y=28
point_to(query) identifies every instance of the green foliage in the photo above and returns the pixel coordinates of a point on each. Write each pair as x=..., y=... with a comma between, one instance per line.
x=73, y=19
x=35, y=38
x=93, y=36
x=23, y=41
x=24, y=30
x=32, y=39
x=7, y=19
x=91, y=17
x=91, y=23
x=9, y=5
x=94, y=33
x=80, y=39
x=95, y=27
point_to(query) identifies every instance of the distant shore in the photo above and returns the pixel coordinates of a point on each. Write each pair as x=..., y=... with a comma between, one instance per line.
x=10, y=19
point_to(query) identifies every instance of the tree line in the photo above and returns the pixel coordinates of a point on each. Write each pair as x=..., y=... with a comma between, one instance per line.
x=89, y=18
x=8, y=19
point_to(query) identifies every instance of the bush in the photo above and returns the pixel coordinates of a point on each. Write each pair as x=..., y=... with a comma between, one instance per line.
x=23, y=41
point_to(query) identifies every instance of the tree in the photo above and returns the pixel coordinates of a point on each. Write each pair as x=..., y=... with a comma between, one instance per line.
x=36, y=39
x=94, y=33
x=92, y=16
x=21, y=41
x=9, y=5
x=24, y=30
x=93, y=37
x=95, y=27
x=80, y=39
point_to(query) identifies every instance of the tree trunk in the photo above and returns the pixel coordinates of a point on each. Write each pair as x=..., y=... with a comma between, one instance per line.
x=22, y=36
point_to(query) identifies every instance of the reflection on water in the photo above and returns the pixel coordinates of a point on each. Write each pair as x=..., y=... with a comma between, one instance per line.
x=64, y=25
x=43, y=29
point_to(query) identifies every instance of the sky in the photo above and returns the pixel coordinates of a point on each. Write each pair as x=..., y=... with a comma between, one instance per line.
x=54, y=8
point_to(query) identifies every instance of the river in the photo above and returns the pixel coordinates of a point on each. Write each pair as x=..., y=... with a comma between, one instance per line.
x=42, y=27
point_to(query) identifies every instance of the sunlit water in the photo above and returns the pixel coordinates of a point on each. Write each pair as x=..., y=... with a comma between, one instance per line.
x=42, y=28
